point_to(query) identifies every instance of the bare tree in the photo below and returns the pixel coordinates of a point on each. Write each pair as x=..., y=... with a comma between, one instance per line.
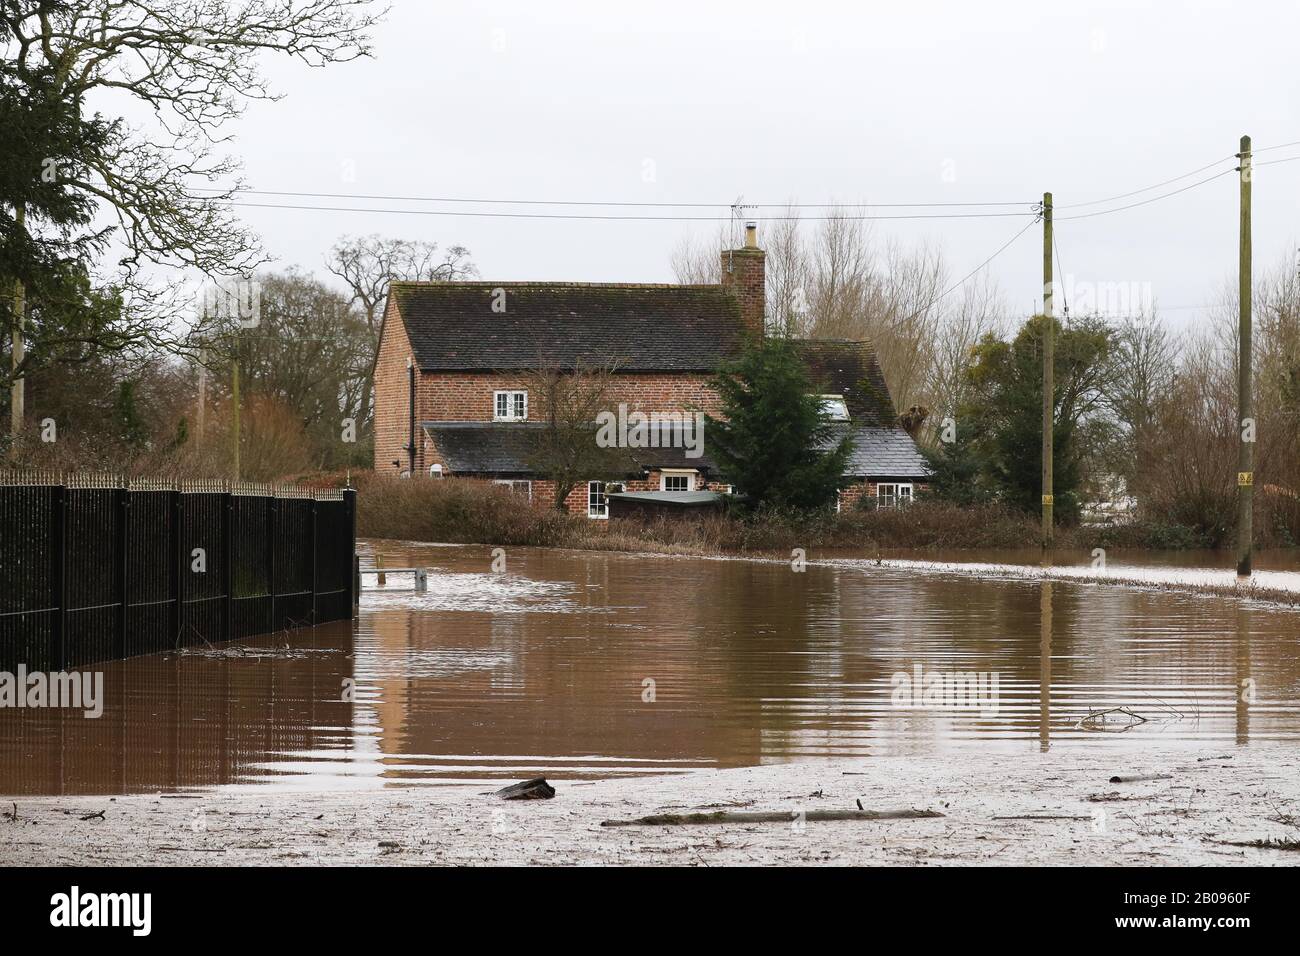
x=310, y=354
x=565, y=449
x=829, y=280
x=789, y=277
x=196, y=64
x=698, y=263
x=369, y=264
x=963, y=319
x=1143, y=366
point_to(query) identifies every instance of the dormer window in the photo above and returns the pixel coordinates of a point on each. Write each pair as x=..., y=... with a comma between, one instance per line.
x=510, y=406
x=835, y=407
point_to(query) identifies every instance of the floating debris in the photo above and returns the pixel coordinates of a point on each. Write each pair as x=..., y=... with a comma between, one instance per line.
x=1114, y=721
x=243, y=652
x=534, y=789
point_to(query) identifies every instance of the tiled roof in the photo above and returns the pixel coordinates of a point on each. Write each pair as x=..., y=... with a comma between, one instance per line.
x=453, y=326
x=850, y=369
x=686, y=498
x=882, y=453
x=506, y=447
x=484, y=447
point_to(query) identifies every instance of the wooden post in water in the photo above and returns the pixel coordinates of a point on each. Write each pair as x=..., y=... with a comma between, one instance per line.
x=1049, y=398
x=1245, y=401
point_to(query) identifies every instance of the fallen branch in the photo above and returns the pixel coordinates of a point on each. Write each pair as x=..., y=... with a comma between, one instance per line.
x=1042, y=816
x=1100, y=720
x=1272, y=843
x=191, y=849
x=1113, y=796
x=1139, y=777
x=769, y=816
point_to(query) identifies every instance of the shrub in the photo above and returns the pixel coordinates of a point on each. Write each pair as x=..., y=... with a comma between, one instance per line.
x=457, y=511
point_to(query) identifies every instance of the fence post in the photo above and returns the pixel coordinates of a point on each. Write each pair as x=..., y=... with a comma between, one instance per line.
x=272, y=520
x=58, y=573
x=350, y=530
x=176, y=520
x=356, y=586
x=123, y=505
x=228, y=555
x=314, y=543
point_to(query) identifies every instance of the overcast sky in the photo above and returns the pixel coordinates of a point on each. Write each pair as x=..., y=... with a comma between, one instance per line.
x=876, y=102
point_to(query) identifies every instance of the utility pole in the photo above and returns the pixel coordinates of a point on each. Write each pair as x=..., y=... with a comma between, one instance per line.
x=1245, y=401
x=1049, y=385
x=18, y=352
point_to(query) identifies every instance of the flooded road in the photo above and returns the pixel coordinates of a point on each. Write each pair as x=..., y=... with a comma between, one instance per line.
x=581, y=664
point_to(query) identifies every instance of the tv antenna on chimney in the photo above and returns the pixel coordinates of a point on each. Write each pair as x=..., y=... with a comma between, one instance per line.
x=738, y=218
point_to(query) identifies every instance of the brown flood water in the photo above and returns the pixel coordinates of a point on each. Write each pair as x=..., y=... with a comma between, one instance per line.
x=543, y=669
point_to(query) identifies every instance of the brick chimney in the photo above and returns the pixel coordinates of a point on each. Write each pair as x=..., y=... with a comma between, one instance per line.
x=743, y=274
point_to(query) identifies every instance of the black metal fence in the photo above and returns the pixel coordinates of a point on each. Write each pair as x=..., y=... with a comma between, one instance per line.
x=94, y=569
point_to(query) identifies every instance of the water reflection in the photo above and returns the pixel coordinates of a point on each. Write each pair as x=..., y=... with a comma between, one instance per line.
x=583, y=664
x=1045, y=666
x=172, y=722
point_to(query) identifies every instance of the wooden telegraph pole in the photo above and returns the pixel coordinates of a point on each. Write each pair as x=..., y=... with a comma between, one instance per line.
x=1049, y=403
x=1245, y=401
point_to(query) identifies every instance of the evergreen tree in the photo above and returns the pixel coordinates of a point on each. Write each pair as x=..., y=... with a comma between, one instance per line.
x=775, y=442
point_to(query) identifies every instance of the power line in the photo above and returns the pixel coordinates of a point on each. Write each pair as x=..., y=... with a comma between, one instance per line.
x=627, y=204
x=627, y=218
x=1144, y=202
x=1199, y=169
x=1056, y=248
x=234, y=191
x=962, y=281
x=1274, y=162
x=1147, y=189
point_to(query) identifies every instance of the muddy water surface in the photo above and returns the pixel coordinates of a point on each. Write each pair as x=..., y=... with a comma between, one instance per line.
x=578, y=664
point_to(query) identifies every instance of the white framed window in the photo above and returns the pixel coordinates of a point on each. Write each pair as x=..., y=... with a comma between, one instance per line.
x=519, y=486
x=836, y=409
x=677, y=480
x=510, y=406
x=891, y=494
x=597, y=505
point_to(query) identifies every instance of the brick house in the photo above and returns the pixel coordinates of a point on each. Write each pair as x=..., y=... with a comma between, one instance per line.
x=451, y=371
